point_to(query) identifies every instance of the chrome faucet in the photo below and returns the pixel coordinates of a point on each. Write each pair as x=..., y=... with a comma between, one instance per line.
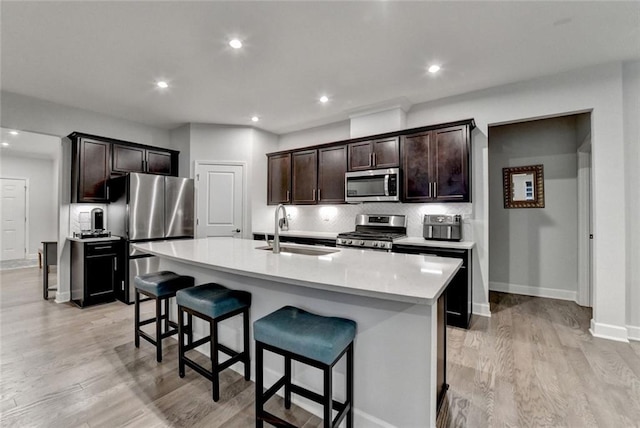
x=284, y=222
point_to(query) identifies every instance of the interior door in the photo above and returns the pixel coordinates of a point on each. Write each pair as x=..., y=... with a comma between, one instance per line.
x=13, y=222
x=220, y=199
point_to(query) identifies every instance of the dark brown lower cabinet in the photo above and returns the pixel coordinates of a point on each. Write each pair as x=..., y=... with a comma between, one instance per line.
x=459, y=291
x=96, y=270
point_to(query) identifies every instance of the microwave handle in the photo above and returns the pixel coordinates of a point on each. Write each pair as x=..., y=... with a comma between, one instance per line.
x=386, y=184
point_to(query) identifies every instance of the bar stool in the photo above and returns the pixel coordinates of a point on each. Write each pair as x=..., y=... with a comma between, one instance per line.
x=310, y=339
x=212, y=303
x=158, y=286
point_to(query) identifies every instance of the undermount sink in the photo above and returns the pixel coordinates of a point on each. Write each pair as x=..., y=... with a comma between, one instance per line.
x=300, y=250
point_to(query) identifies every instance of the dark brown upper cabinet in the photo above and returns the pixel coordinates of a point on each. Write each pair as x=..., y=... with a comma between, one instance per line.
x=435, y=165
x=305, y=177
x=332, y=165
x=137, y=159
x=279, y=179
x=374, y=154
x=90, y=170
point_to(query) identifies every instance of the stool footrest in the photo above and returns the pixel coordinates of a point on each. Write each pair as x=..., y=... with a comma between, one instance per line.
x=197, y=367
x=147, y=337
x=197, y=343
x=273, y=389
x=274, y=420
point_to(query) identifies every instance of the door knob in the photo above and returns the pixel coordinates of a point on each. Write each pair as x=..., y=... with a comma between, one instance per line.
x=236, y=230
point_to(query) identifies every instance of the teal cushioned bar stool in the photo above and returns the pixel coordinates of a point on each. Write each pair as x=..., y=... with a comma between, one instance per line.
x=158, y=286
x=212, y=303
x=311, y=339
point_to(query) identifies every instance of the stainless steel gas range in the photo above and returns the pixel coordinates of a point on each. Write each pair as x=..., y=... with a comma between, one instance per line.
x=374, y=231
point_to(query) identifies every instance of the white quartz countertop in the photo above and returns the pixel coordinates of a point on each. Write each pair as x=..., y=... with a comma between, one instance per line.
x=400, y=277
x=410, y=240
x=421, y=242
x=303, y=234
x=108, y=238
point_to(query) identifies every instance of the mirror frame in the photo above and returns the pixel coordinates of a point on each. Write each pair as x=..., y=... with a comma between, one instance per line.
x=538, y=187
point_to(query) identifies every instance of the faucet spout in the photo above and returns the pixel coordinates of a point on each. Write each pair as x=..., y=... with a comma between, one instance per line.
x=276, y=227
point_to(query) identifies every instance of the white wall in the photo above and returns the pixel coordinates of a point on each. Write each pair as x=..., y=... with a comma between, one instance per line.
x=31, y=114
x=180, y=141
x=43, y=202
x=208, y=142
x=534, y=251
x=631, y=94
x=320, y=135
x=597, y=89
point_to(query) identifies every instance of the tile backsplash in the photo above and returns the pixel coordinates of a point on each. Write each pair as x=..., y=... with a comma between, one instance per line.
x=80, y=216
x=341, y=218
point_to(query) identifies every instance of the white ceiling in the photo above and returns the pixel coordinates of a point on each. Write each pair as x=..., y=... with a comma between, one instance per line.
x=28, y=144
x=106, y=56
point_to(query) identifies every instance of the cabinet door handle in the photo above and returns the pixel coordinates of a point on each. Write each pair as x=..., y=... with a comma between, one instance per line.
x=115, y=263
x=318, y=195
x=375, y=161
x=106, y=247
x=435, y=189
x=142, y=167
x=313, y=195
x=370, y=159
x=107, y=191
x=122, y=285
x=288, y=193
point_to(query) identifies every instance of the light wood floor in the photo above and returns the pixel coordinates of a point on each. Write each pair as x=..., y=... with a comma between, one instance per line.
x=532, y=364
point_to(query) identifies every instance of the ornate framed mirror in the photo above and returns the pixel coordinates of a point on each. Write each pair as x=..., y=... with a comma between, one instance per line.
x=523, y=186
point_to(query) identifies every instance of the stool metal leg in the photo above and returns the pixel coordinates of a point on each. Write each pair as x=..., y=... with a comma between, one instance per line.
x=247, y=359
x=158, y=330
x=137, y=319
x=215, y=379
x=259, y=386
x=327, y=401
x=190, y=328
x=350, y=385
x=166, y=315
x=181, y=342
x=287, y=382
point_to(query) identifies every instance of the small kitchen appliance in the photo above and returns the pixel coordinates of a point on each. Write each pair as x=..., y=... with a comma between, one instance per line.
x=442, y=227
x=97, y=219
x=374, y=231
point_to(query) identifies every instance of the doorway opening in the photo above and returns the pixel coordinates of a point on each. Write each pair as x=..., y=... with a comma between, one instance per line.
x=34, y=160
x=542, y=251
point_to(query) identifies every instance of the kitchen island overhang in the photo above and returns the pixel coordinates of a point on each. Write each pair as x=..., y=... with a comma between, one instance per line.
x=394, y=298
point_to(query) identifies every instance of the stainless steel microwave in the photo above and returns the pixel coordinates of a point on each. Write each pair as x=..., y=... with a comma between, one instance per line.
x=374, y=185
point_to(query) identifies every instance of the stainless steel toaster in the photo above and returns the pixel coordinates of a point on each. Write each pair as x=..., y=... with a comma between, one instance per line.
x=442, y=227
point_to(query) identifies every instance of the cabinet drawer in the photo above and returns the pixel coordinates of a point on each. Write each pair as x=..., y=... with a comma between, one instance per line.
x=100, y=248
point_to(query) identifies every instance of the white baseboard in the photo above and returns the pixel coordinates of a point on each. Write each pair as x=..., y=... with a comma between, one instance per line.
x=608, y=331
x=633, y=332
x=32, y=256
x=63, y=297
x=481, y=309
x=528, y=290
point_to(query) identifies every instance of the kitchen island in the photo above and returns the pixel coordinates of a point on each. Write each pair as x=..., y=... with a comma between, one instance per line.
x=396, y=299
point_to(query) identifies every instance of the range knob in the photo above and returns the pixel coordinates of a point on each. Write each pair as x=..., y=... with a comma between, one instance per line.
x=348, y=242
x=362, y=243
x=375, y=244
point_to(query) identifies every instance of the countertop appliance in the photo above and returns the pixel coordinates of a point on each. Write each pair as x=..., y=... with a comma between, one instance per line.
x=148, y=207
x=374, y=185
x=97, y=219
x=374, y=231
x=442, y=227
x=88, y=234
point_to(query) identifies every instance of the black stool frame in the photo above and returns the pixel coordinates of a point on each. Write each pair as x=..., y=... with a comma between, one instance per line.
x=168, y=324
x=216, y=366
x=329, y=404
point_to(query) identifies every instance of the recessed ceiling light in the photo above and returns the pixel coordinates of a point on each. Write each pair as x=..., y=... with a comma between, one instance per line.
x=324, y=99
x=13, y=132
x=5, y=144
x=235, y=43
x=255, y=118
x=162, y=84
x=434, y=68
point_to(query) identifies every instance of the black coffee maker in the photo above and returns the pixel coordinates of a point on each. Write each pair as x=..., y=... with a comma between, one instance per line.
x=97, y=220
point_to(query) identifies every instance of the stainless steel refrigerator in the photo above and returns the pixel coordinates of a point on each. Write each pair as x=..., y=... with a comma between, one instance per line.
x=148, y=207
